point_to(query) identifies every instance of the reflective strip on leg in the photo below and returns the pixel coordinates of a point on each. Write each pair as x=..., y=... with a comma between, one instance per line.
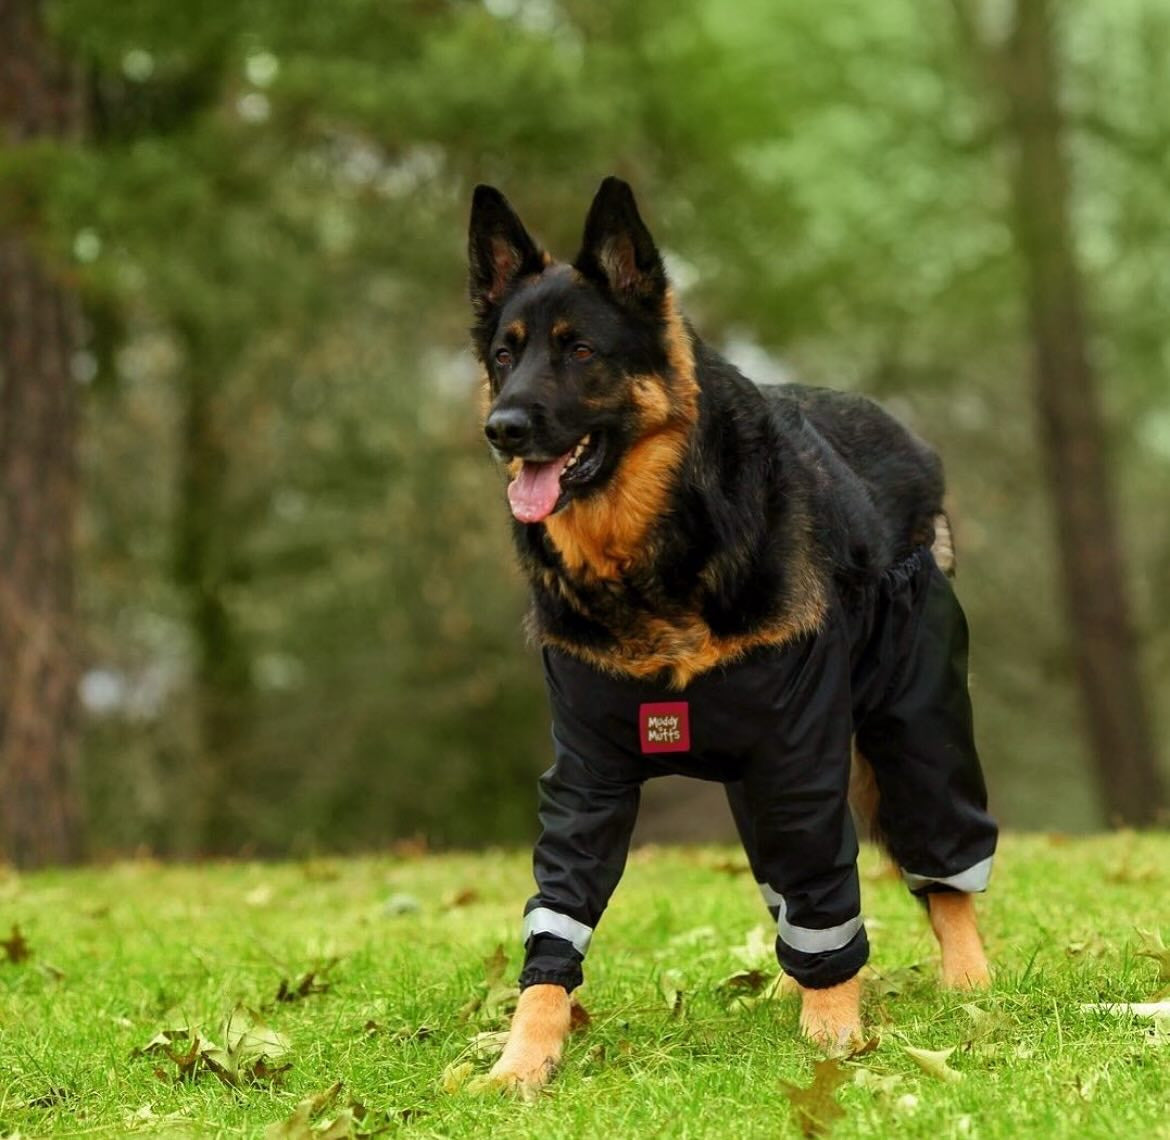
x=974, y=878
x=771, y=898
x=809, y=940
x=541, y=920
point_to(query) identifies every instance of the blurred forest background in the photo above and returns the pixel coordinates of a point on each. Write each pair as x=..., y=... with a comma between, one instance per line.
x=256, y=589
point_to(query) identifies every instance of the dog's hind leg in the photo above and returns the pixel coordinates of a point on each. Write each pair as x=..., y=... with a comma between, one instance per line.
x=952, y=917
x=536, y=1040
x=930, y=810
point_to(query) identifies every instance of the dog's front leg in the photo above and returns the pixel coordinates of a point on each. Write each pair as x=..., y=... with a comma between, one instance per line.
x=536, y=1040
x=831, y=1017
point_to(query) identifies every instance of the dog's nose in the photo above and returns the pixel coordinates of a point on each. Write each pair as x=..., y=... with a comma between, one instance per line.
x=509, y=429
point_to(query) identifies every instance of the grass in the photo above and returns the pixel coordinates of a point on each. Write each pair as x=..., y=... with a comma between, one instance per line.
x=120, y=953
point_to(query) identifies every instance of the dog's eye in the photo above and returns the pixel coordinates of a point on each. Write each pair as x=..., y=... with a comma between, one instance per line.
x=503, y=357
x=582, y=351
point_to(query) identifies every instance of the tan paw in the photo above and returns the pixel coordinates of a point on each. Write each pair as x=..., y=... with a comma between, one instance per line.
x=967, y=971
x=525, y=1076
x=535, y=1042
x=831, y=1018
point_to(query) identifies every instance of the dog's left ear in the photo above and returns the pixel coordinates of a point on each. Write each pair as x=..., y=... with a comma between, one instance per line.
x=499, y=250
x=618, y=251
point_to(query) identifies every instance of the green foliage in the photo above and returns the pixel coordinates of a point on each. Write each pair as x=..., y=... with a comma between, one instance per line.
x=311, y=594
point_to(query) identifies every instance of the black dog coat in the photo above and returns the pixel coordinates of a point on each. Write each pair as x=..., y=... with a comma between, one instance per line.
x=889, y=665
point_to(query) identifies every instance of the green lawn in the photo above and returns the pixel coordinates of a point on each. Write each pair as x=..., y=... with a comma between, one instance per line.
x=396, y=948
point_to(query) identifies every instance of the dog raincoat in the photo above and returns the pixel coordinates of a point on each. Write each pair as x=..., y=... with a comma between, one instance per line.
x=889, y=665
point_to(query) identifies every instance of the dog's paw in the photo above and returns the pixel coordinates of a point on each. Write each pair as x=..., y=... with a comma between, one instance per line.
x=536, y=1041
x=966, y=971
x=522, y=1075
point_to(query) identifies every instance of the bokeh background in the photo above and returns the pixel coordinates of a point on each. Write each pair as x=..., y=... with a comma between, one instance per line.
x=256, y=592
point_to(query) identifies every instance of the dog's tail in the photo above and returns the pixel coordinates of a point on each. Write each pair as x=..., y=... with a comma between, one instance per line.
x=943, y=546
x=864, y=798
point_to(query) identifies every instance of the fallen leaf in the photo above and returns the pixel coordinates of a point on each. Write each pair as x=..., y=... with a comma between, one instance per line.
x=1090, y=946
x=486, y=1046
x=673, y=989
x=579, y=1018
x=259, y=896
x=399, y=904
x=933, y=1062
x=759, y=948
x=1153, y=947
x=816, y=1107
x=16, y=949
x=456, y=1075
x=254, y=1052
x=320, y=871
x=299, y=1125
x=412, y=847
x=1127, y=872
x=495, y=964
x=863, y=1048
x=310, y=983
x=729, y=867
x=405, y=1032
x=881, y=1084
x=1159, y=1034
x=892, y=983
x=745, y=982
x=694, y=937
x=465, y=897
x=51, y=1098
x=985, y=1024
x=1136, y=1008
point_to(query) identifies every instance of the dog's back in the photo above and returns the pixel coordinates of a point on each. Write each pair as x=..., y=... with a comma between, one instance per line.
x=890, y=483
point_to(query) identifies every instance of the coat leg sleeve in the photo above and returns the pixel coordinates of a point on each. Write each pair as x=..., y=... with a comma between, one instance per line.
x=587, y=817
x=802, y=833
x=919, y=739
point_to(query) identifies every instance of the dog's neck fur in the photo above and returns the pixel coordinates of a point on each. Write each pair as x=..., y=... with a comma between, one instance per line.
x=694, y=554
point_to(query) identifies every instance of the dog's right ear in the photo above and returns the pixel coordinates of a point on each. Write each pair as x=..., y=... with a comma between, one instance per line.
x=499, y=250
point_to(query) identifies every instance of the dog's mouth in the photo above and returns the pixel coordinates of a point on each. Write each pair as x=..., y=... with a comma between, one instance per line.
x=542, y=487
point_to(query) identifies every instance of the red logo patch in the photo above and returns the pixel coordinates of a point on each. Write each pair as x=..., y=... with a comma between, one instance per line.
x=665, y=727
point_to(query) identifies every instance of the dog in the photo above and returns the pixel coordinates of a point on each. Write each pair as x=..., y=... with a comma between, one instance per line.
x=733, y=581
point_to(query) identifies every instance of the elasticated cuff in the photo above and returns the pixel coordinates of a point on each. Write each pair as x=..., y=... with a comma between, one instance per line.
x=550, y=960
x=819, y=971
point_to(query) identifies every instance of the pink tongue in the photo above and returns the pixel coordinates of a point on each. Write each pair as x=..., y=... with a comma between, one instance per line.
x=534, y=492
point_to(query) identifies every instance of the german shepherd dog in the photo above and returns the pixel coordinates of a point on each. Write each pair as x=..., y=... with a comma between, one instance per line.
x=678, y=523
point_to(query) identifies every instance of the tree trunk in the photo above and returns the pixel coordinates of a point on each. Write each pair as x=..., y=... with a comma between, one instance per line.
x=39, y=814
x=1072, y=434
x=203, y=567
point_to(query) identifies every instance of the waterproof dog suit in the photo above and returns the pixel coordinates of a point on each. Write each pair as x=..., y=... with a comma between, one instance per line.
x=889, y=665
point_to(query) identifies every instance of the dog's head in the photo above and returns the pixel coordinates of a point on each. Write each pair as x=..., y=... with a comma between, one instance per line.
x=582, y=361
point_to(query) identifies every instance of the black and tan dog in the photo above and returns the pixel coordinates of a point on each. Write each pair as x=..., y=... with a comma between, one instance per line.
x=736, y=582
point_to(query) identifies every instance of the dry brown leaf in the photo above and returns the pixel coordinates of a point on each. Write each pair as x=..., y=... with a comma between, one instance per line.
x=1153, y=947
x=933, y=1062
x=15, y=947
x=815, y=1107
